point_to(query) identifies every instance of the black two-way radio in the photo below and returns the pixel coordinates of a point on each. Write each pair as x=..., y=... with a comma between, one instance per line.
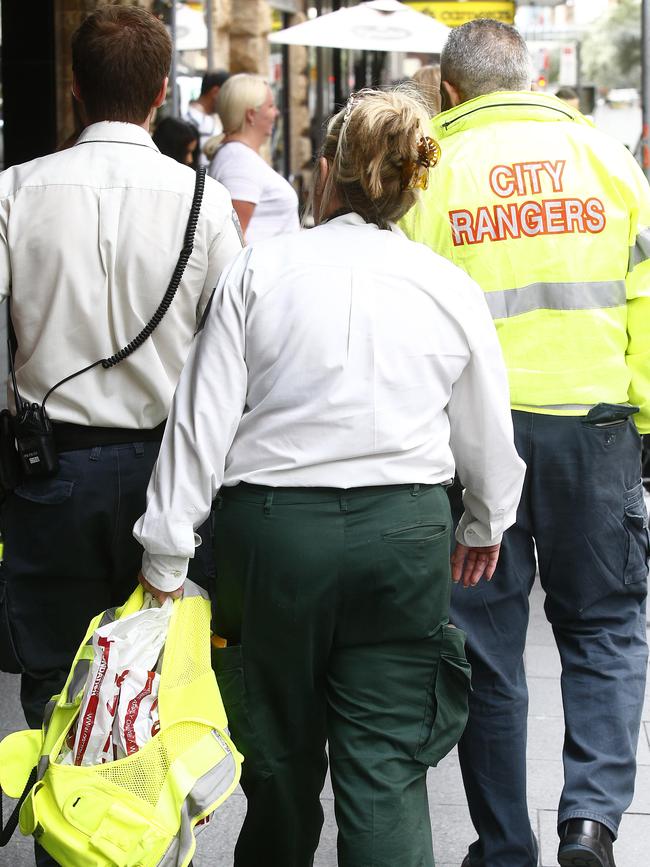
x=32, y=429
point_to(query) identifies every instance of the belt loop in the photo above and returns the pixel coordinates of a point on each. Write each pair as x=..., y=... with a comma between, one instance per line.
x=218, y=502
x=138, y=448
x=95, y=453
x=343, y=502
x=268, y=502
x=415, y=490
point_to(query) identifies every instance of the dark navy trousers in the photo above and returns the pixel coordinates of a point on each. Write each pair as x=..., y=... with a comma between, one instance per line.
x=582, y=519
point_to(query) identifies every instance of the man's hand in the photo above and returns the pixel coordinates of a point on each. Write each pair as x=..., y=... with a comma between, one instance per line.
x=160, y=595
x=469, y=565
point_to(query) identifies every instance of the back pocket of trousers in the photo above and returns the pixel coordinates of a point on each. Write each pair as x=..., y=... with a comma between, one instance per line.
x=447, y=706
x=416, y=533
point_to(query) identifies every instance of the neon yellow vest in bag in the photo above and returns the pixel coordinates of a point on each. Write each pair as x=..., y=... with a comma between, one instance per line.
x=140, y=810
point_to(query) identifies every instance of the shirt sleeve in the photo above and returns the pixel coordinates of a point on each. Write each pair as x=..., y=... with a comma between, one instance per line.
x=481, y=436
x=5, y=262
x=638, y=300
x=224, y=239
x=203, y=419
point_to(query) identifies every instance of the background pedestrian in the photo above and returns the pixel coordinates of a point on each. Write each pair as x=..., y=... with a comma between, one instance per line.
x=265, y=202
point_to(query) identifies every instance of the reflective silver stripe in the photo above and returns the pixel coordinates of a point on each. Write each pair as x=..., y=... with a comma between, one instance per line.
x=640, y=251
x=107, y=617
x=49, y=710
x=77, y=680
x=43, y=765
x=192, y=589
x=44, y=760
x=82, y=667
x=556, y=296
x=207, y=789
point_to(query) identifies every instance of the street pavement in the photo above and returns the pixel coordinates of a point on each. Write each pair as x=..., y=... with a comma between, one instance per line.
x=452, y=829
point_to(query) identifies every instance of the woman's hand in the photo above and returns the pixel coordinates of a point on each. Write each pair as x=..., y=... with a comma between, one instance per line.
x=469, y=565
x=160, y=595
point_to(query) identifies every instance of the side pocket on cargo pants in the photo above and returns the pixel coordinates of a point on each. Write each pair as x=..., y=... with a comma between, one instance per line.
x=635, y=522
x=447, y=705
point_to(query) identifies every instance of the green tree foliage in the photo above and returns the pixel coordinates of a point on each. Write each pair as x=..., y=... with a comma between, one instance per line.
x=611, y=51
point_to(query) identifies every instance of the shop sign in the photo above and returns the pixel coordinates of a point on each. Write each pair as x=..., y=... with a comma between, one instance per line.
x=454, y=13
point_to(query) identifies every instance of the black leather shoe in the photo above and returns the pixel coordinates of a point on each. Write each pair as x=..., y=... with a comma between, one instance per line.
x=584, y=843
x=465, y=861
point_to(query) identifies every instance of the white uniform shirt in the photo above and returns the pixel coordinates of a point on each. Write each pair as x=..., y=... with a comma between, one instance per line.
x=248, y=178
x=343, y=356
x=89, y=238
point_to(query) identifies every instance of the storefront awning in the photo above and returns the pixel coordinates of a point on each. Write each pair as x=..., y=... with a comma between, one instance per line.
x=380, y=25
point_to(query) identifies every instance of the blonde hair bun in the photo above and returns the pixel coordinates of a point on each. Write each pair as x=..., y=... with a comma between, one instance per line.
x=368, y=145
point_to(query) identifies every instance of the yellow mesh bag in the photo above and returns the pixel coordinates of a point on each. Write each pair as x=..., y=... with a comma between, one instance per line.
x=137, y=810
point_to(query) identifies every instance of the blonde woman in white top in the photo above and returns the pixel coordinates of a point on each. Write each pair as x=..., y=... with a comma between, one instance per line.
x=341, y=376
x=265, y=202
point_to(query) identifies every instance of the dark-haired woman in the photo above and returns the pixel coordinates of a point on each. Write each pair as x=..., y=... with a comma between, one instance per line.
x=178, y=139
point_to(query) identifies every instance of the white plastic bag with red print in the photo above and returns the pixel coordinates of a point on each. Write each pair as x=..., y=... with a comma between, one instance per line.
x=119, y=711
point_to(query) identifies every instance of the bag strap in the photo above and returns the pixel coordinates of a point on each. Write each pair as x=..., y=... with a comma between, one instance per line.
x=7, y=831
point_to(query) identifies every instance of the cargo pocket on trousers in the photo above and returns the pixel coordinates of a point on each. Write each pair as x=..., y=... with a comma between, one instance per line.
x=638, y=540
x=228, y=666
x=447, y=705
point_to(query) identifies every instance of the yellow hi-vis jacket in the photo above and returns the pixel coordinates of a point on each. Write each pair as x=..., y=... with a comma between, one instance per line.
x=551, y=218
x=142, y=809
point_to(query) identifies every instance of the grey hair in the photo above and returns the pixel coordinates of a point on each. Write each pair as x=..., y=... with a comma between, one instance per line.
x=485, y=55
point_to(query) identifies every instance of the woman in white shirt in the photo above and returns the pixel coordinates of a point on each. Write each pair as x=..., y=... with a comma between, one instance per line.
x=341, y=376
x=265, y=202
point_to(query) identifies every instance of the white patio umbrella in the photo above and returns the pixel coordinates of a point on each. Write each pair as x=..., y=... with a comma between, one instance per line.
x=380, y=25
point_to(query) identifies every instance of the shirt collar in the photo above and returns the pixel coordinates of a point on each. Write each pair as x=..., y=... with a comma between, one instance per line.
x=116, y=132
x=353, y=219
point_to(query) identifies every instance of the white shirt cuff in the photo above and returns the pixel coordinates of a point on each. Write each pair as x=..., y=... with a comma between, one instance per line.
x=163, y=571
x=474, y=534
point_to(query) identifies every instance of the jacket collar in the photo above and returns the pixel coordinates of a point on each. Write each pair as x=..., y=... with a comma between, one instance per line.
x=116, y=132
x=497, y=107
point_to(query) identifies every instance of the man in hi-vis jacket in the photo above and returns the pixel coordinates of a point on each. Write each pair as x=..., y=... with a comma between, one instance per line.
x=551, y=218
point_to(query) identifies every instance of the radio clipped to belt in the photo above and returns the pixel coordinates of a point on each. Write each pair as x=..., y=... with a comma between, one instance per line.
x=27, y=446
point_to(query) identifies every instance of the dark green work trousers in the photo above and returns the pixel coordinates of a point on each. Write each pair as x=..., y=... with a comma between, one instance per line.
x=334, y=604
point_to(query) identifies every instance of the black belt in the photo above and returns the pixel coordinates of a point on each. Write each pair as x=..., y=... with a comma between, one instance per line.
x=69, y=437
